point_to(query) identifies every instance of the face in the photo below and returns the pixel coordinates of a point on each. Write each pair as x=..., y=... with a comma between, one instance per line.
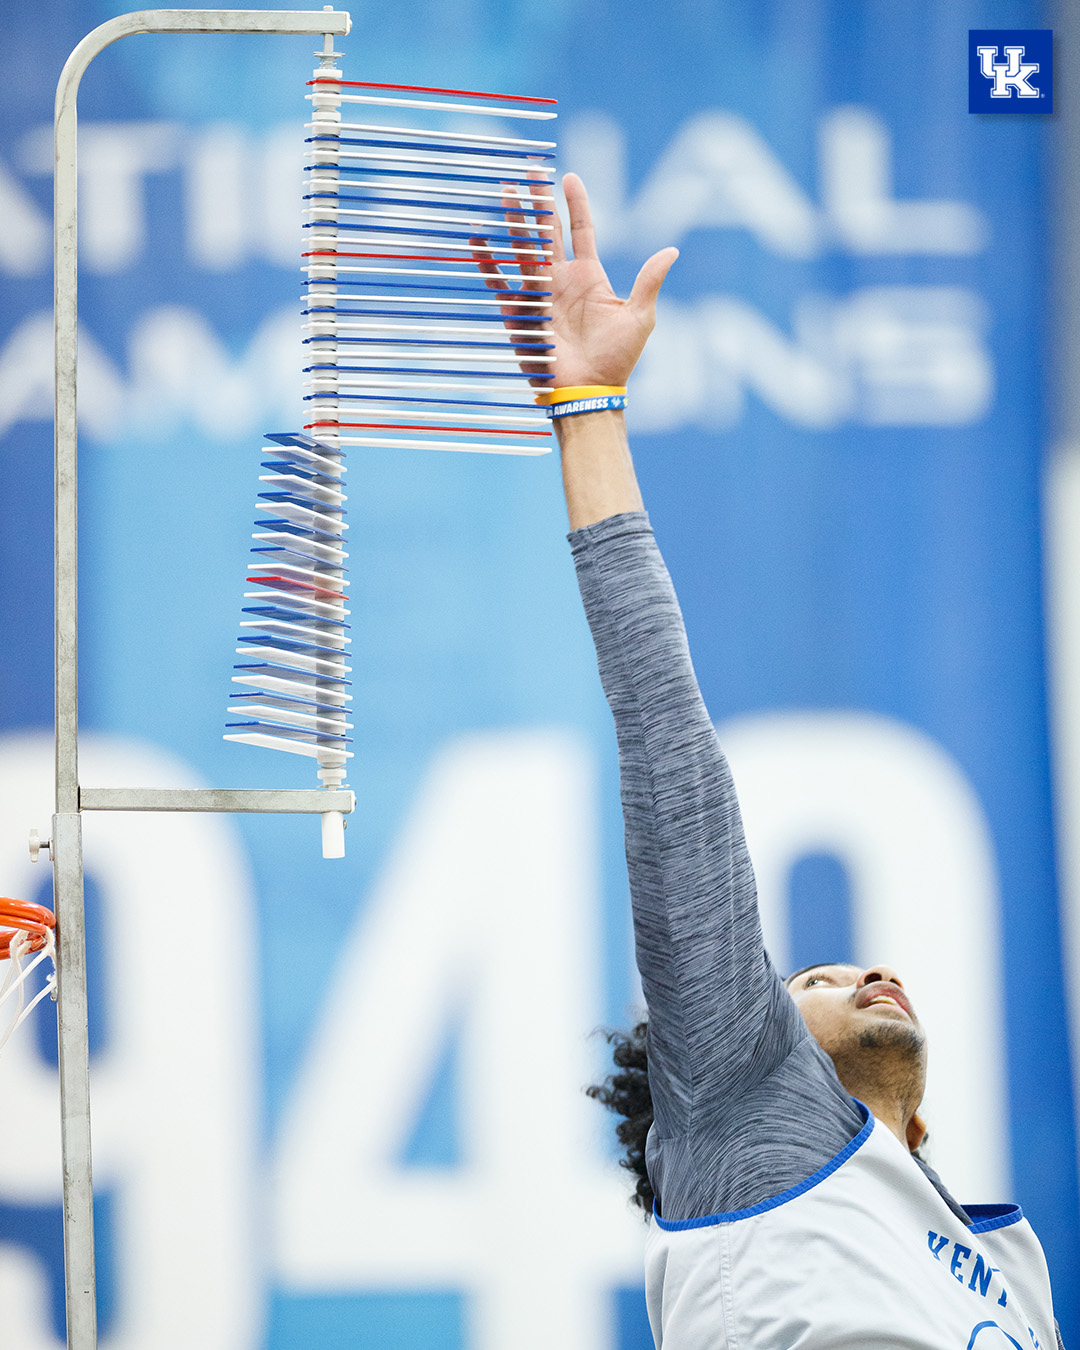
x=847, y=1009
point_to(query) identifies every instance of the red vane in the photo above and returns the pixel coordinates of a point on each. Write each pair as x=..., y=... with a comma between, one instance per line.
x=418, y=257
x=288, y=584
x=424, y=89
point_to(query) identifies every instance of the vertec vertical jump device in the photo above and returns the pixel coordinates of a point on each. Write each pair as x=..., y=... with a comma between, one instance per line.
x=402, y=337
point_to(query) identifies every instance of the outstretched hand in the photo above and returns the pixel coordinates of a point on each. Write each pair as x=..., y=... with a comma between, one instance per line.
x=597, y=337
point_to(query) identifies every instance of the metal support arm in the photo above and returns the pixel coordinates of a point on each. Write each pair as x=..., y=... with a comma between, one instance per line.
x=282, y=801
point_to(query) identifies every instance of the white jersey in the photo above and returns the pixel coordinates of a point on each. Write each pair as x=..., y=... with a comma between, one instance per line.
x=865, y=1253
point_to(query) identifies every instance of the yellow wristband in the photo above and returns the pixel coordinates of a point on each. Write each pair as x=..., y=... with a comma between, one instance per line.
x=572, y=393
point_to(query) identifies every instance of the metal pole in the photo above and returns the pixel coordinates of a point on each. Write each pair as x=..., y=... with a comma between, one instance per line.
x=67, y=823
x=74, y=1081
x=1061, y=491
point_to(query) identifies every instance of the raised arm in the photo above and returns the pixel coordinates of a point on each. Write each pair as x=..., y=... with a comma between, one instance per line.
x=724, y=1037
x=598, y=339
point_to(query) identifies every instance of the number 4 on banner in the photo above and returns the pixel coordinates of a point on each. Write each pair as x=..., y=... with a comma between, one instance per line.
x=488, y=912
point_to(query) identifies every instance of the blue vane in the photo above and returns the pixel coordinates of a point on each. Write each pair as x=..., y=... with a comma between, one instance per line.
x=444, y=402
x=503, y=176
x=469, y=316
x=414, y=145
x=437, y=370
x=497, y=297
x=524, y=208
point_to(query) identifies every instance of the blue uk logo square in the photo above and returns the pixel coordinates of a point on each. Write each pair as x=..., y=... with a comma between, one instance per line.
x=1010, y=70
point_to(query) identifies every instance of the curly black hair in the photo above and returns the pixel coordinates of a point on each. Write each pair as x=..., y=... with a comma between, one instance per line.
x=626, y=1093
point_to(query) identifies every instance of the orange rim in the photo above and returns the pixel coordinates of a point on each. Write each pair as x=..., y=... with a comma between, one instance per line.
x=34, y=920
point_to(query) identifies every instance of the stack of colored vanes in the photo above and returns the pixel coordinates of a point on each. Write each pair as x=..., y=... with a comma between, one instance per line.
x=401, y=332
x=294, y=680
x=407, y=345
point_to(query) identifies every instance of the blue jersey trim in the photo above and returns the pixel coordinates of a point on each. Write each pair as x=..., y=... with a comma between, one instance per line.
x=848, y=1151
x=982, y=1326
x=985, y=1218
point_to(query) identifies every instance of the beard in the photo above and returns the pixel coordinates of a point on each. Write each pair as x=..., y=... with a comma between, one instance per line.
x=885, y=1059
x=895, y=1037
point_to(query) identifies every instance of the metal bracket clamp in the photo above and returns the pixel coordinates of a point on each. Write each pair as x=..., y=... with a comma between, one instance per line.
x=37, y=844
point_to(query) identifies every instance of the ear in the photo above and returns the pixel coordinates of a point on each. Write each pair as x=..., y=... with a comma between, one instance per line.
x=916, y=1132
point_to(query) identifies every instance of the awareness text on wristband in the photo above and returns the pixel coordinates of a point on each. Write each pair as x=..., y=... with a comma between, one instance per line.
x=601, y=403
x=571, y=393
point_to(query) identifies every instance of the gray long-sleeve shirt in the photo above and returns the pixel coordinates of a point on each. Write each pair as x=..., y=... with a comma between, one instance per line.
x=746, y=1102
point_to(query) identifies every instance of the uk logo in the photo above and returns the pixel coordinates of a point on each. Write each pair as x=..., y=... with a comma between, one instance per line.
x=1010, y=70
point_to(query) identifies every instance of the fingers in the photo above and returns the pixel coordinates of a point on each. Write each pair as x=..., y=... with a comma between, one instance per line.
x=558, y=248
x=515, y=317
x=528, y=246
x=493, y=278
x=528, y=265
x=648, y=282
x=582, y=236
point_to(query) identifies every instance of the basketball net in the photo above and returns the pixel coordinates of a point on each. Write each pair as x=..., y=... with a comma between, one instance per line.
x=32, y=934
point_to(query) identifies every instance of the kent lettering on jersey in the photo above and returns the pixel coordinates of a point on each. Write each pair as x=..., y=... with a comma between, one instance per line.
x=774, y=1125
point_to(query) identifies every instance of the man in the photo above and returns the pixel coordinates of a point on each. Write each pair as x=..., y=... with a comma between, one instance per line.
x=789, y=1208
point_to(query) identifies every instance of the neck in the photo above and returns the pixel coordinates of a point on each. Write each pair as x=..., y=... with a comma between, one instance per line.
x=889, y=1083
x=890, y=1113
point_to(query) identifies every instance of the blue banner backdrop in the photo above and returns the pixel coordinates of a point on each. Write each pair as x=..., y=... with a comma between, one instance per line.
x=338, y=1103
